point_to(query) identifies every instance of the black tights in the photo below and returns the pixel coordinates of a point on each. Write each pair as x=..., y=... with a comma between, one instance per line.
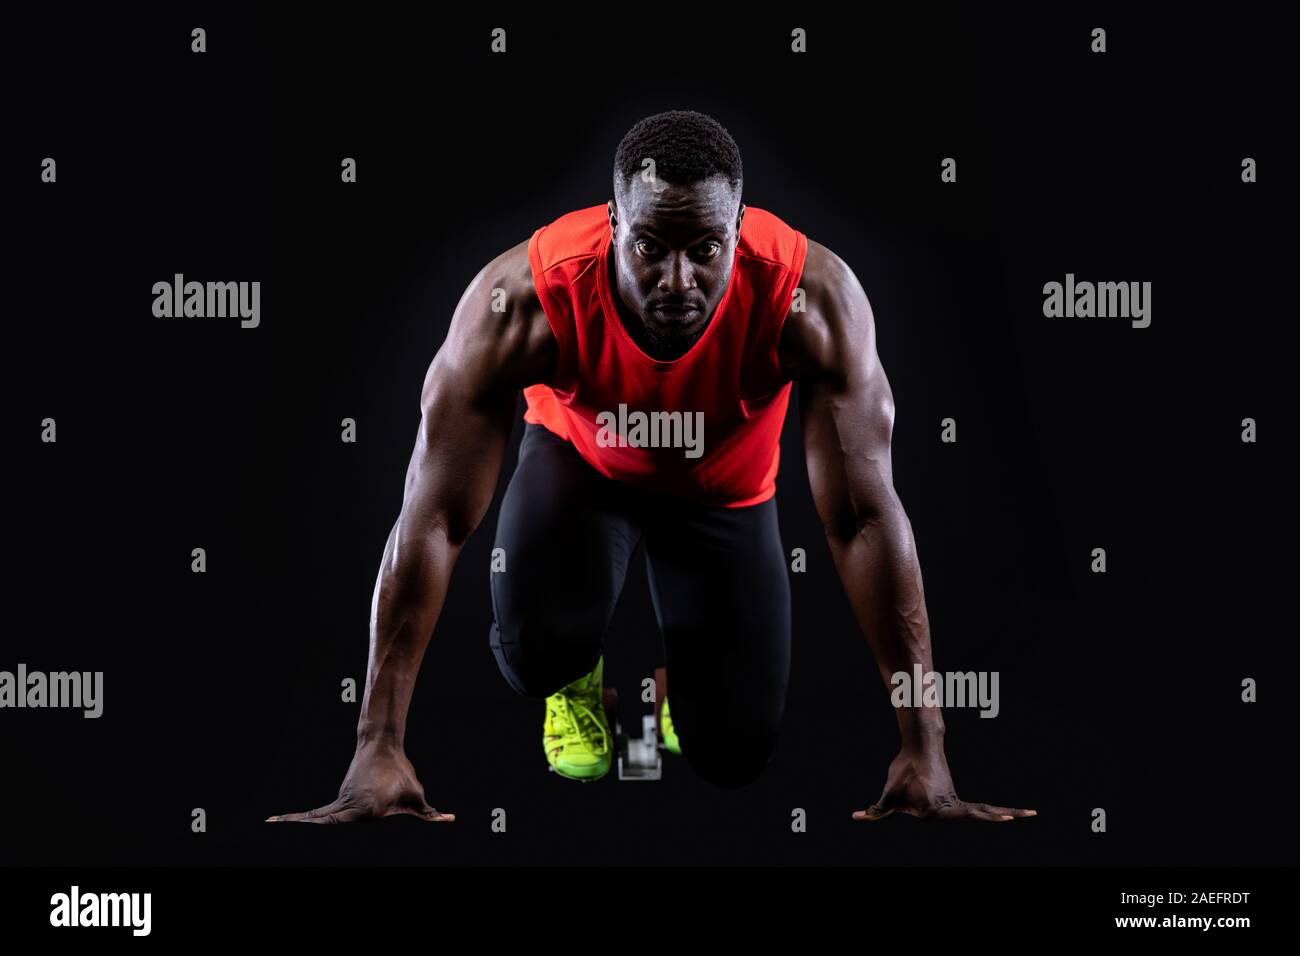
x=718, y=582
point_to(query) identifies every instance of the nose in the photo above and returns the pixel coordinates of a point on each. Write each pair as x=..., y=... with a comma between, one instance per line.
x=678, y=277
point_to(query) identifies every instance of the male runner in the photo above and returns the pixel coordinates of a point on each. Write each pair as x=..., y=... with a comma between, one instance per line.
x=655, y=340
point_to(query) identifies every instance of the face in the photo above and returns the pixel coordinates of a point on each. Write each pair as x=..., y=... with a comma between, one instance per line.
x=674, y=247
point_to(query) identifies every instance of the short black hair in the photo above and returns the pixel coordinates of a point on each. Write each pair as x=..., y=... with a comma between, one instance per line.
x=686, y=146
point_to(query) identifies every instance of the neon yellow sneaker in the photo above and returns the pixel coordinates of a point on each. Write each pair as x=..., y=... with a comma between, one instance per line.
x=671, y=743
x=576, y=734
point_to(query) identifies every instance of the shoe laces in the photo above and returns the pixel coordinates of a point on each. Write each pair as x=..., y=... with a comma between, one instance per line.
x=574, y=715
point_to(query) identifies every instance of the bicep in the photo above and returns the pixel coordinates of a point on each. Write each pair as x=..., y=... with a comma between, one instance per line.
x=468, y=405
x=847, y=409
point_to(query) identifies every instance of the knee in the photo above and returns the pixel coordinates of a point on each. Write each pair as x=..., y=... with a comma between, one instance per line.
x=727, y=755
x=730, y=768
x=537, y=661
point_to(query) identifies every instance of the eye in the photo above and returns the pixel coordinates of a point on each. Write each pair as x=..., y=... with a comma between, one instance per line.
x=711, y=249
x=645, y=247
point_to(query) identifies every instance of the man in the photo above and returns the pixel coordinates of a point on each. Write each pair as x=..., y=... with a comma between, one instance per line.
x=656, y=340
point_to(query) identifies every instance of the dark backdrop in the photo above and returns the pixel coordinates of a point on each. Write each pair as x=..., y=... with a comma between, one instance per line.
x=1119, y=691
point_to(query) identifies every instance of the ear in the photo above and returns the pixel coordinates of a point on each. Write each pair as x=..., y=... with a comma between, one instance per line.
x=740, y=217
x=613, y=217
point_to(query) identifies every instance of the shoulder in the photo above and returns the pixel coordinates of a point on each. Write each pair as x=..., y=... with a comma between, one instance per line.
x=765, y=236
x=828, y=281
x=831, y=322
x=579, y=234
x=499, y=329
x=509, y=278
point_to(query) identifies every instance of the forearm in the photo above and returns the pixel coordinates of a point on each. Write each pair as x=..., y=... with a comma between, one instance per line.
x=882, y=578
x=408, y=599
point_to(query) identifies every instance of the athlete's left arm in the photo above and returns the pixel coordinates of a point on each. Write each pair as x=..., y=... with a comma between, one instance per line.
x=847, y=413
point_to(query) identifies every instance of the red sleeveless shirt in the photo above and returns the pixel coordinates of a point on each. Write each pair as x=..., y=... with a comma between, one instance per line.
x=730, y=382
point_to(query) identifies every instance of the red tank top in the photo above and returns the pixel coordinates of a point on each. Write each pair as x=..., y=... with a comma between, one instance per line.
x=705, y=426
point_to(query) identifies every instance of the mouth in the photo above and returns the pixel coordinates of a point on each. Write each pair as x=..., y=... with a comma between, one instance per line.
x=675, y=311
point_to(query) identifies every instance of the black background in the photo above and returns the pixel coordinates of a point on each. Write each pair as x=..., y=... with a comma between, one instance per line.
x=222, y=690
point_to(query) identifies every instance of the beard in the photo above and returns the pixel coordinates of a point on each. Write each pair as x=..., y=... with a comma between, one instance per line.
x=667, y=344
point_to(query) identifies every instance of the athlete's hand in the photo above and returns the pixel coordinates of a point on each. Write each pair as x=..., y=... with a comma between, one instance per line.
x=919, y=783
x=380, y=783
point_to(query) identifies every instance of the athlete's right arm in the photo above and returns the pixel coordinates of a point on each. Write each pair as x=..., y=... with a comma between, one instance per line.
x=498, y=343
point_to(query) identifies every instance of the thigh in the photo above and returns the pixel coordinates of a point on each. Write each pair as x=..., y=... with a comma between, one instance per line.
x=566, y=535
x=722, y=595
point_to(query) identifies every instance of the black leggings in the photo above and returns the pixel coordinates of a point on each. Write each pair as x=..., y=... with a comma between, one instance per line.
x=718, y=582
